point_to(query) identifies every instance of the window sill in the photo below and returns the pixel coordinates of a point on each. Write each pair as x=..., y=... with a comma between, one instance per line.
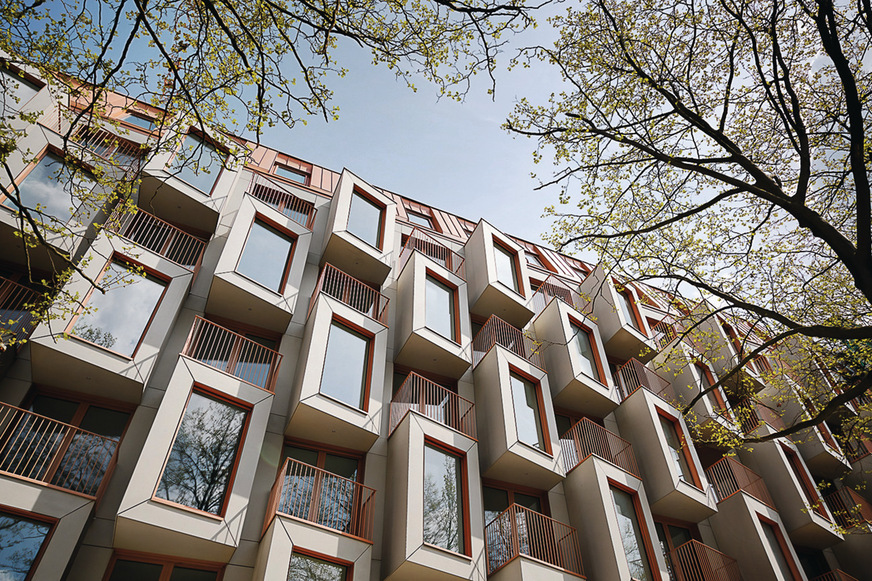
x=448, y=552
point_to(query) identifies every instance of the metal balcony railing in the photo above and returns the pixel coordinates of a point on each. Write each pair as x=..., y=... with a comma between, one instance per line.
x=300, y=211
x=664, y=333
x=232, y=353
x=149, y=231
x=352, y=292
x=323, y=498
x=17, y=302
x=633, y=374
x=438, y=252
x=694, y=561
x=729, y=476
x=857, y=448
x=849, y=508
x=521, y=531
x=497, y=332
x=95, y=135
x=836, y=575
x=587, y=438
x=435, y=402
x=39, y=448
x=751, y=416
x=552, y=288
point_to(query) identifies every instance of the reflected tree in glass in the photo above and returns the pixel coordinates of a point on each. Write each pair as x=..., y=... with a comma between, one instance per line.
x=20, y=541
x=631, y=535
x=198, y=163
x=306, y=568
x=443, y=504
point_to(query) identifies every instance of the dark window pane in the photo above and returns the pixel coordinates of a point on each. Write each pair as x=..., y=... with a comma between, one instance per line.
x=305, y=568
x=118, y=319
x=365, y=220
x=304, y=455
x=439, y=303
x=505, y=266
x=443, y=500
x=345, y=366
x=342, y=466
x=198, y=163
x=495, y=501
x=265, y=256
x=527, y=417
x=186, y=574
x=203, y=455
x=86, y=460
x=20, y=540
x=772, y=538
x=588, y=359
x=631, y=535
x=135, y=571
x=286, y=172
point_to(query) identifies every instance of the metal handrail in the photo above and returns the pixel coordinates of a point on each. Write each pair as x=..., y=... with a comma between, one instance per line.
x=587, y=438
x=435, y=402
x=849, y=508
x=159, y=236
x=695, y=561
x=498, y=332
x=837, y=575
x=430, y=247
x=16, y=310
x=297, y=209
x=554, y=287
x=352, y=292
x=633, y=375
x=730, y=476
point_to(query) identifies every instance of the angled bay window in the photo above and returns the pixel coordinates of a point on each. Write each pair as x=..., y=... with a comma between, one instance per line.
x=678, y=449
x=444, y=499
x=347, y=366
x=53, y=189
x=366, y=219
x=15, y=91
x=506, y=266
x=716, y=397
x=118, y=318
x=203, y=458
x=198, y=163
x=628, y=309
x=441, y=308
x=778, y=546
x=589, y=362
x=266, y=256
x=21, y=543
x=528, y=413
x=306, y=567
x=295, y=175
x=633, y=535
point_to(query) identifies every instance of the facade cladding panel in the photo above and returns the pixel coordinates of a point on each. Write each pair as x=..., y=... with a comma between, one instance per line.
x=233, y=496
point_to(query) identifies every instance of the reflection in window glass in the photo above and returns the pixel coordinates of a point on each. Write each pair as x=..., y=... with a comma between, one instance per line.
x=306, y=568
x=15, y=92
x=679, y=455
x=118, y=319
x=203, y=455
x=631, y=535
x=53, y=198
x=140, y=121
x=135, y=571
x=585, y=349
x=527, y=415
x=345, y=365
x=198, y=163
x=365, y=219
x=419, y=219
x=505, y=265
x=439, y=302
x=291, y=174
x=265, y=256
x=627, y=309
x=20, y=541
x=443, y=500
x=772, y=538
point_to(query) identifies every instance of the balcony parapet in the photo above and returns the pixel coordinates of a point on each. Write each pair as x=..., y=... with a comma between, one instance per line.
x=521, y=531
x=837, y=575
x=849, y=508
x=695, y=561
x=232, y=353
x=729, y=476
x=352, y=292
x=436, y=251
x=17, y=303
x=272, y=194
x=751, y=416
x=633, y=375
x=498, y=332
x=320, y=497
x=159, y=236
x=552, y=288
x=587, y=438
x=435, y=402
x=41, y=449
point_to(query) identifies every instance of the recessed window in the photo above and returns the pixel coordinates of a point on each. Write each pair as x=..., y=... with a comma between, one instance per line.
x=346, y=366
x=292, y=174
x=203, y=457
x=507, y=273
x=16, y=91
x=50, y=193
x=632, y=535
x=21, y=539
x=443, y=499
x=155, y=569
x=419, y=219
x=625, y=303
x=307, y=568
x=777, y=546
x=366, y=219
x=678, y=448
x=439, y=301
x=809, y=490
x=534, y=260
x=198, y=163
x=118, y=318
x=528, y=416
x=716, y=398
x=266, y=256
x=140, y=121
x=584, y=343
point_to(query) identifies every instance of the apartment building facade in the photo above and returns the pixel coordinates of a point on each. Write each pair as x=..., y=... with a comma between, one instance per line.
x=309, y=377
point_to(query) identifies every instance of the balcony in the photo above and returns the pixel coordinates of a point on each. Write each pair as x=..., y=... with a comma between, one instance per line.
x=498, y=332
x=849, y=508
x=316, y=496
x=694, y=561
x=752, y=416
x=352, y=292
x=633, y=375
x=272, y=194
x=554, y=287
x=836, y=575
x=587, y=438
x=435, y=402
x=822, y=453
x=232, y=353
x=41, y=449
x=519, y=531
x=665, y=333
x=159, y=236
x=729, y=476
x=430, y=247
x=16, y=317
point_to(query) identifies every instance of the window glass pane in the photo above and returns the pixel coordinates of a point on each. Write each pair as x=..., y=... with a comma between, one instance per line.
x=534, y=260
x=365, y=220
x=15, y=92
x=777, y=551
x=118, y=319
x=265, y=256
x=439, y=303
x=505, y=266
x=143, y=122
x=304, y=455
x=588, y=359
x=419, y=219
x=203, y=454
x=291, y=174
x=186, y=574
x=527, y=501
x=197, y=163
x=305, y=568
x=679, y=458
x=443, y=500
x=20, y=540
x=345, y=366
x=527, y=416
x=86, y=460
x=135, y=571
x=341, y=465
x=627, y=309
x=564, y=424
x=631, y=535
x=48, y=187
x=495, y=501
